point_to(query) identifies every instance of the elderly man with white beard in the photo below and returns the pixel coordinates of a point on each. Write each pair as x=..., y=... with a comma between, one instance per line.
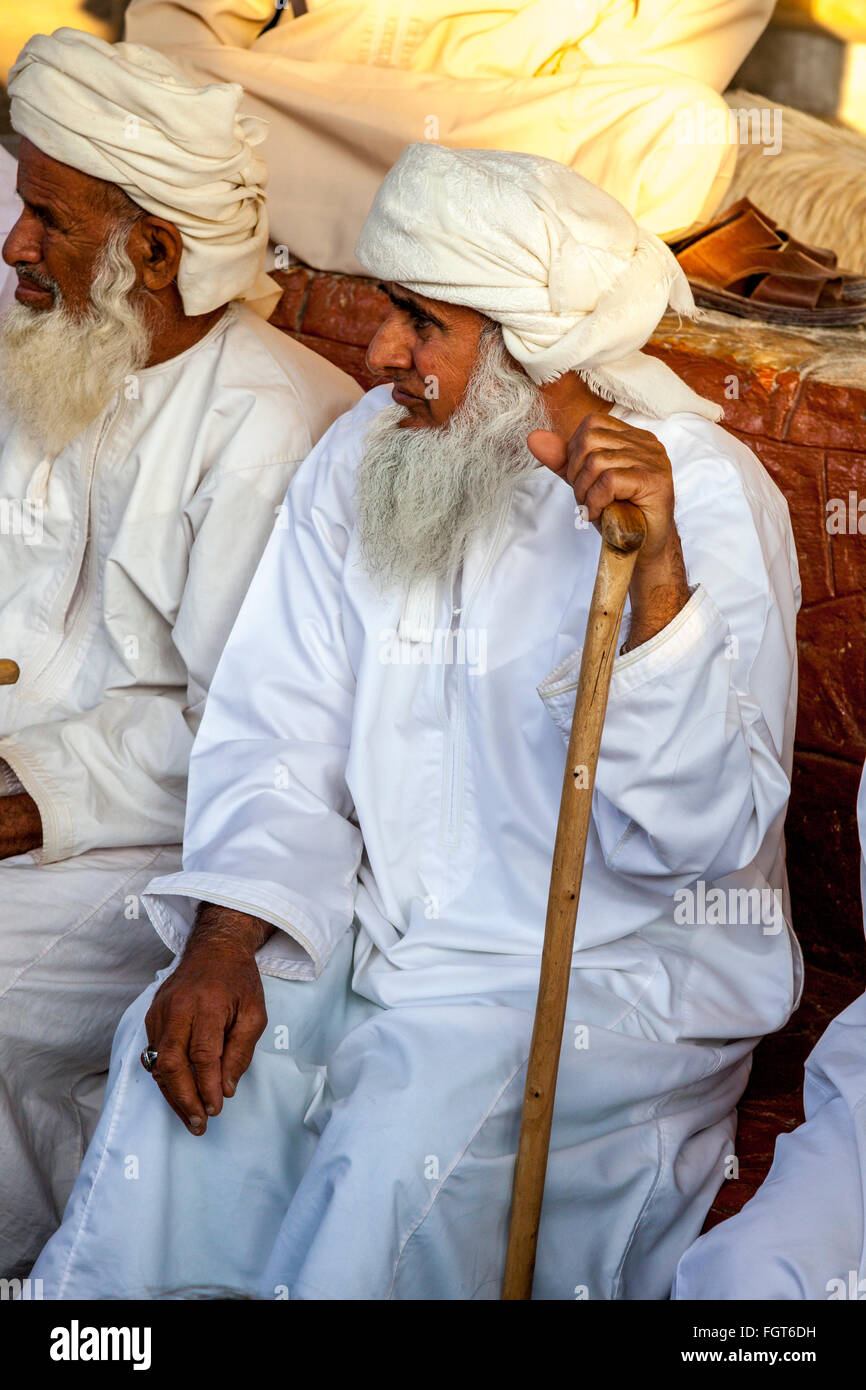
x=374, y=793
x=150, y=428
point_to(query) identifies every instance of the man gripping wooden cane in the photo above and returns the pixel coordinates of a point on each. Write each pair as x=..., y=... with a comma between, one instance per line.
x=603, y=458
x=407, y=659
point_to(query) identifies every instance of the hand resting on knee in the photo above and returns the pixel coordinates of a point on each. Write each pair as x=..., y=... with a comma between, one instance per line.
x=207, y=1017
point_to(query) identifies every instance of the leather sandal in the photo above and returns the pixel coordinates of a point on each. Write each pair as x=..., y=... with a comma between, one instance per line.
x=743, y=263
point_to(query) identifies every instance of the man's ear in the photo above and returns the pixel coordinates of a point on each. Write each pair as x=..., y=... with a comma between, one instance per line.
x=155, y=248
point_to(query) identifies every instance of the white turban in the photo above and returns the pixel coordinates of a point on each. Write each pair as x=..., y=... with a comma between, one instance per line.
x=567, y=272
x=123, y=113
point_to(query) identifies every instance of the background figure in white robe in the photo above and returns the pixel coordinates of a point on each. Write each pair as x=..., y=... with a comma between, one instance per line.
x=612, y=88
x=374, y=794
x=144, y=453
x=10, y=211
x=802, y=1234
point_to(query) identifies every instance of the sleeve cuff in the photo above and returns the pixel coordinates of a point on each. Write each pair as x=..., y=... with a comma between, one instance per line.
x=292, y=953
x=58, y=831
x=695, y=621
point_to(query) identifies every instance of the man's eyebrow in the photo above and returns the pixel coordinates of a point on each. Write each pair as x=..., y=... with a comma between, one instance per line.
x=410, y=306
x=39, y=208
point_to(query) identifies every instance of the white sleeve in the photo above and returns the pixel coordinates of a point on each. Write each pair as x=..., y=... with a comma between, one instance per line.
x=115, y=775
x=270, y=827
x=696, y=751
x=170, y=24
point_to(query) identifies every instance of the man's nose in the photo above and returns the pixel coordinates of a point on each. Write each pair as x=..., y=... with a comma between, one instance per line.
x=24, y=242
x=390, y=350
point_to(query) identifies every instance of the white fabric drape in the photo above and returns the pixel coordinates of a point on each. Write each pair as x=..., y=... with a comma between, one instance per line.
x=606, y=87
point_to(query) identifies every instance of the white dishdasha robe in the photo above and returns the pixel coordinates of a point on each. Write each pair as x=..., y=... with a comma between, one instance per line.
x=391, y=808
x=624, y=91
x=802, y=1235
x=10, y=211
x=122, y=566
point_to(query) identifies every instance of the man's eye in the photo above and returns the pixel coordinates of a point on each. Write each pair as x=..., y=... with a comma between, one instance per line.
x=419, y=321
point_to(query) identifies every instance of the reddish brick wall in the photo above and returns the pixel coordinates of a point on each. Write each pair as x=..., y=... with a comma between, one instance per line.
x=336, y=315
x=807, y=434
x=811, y=437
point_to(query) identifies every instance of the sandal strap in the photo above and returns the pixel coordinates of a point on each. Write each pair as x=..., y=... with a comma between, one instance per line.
x=746, y=248
x=728, y=214
x=797, y=292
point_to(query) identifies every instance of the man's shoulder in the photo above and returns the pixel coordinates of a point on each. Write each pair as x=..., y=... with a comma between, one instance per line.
x=728, y=510
x=709, y=462
x=277, y=358
x=271, y=398
x=689, y=437
x=333, y=463
x=351, y=428
x=343, y=443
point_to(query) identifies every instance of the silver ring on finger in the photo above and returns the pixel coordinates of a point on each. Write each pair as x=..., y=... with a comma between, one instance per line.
x=148, y=1058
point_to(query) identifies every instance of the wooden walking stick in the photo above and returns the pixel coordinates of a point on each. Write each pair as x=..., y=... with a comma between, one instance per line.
x=623, y=530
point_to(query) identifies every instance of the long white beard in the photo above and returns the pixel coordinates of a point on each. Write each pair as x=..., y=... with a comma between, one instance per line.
x=57, y=371
x=424, y=494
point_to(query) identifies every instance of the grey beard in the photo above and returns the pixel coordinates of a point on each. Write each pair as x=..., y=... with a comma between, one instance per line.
x=59, y=371
x=424, y=494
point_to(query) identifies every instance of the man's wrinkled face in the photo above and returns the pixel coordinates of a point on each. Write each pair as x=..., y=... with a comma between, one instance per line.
x=428, y=349
x=427, y=491
x=66, y=221
x=79, y=329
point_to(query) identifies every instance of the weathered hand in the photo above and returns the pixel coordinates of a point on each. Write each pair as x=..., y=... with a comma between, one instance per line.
x=607, y=460
x=20, y=825
x=206, y=1019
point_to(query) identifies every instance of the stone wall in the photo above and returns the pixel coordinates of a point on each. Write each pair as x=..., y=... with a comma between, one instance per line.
x=800, y=404
x=810, y=434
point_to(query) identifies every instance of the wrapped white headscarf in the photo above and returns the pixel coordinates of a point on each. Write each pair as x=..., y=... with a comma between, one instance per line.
x=575, y=283
x=124, y=113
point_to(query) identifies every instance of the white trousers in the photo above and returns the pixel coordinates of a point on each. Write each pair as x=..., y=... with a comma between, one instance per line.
x=369, y=1154
x=802, y=1234
x=75, y=948
x=345, y=88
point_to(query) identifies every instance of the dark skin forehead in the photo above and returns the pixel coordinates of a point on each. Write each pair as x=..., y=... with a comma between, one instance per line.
x=65, y=198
